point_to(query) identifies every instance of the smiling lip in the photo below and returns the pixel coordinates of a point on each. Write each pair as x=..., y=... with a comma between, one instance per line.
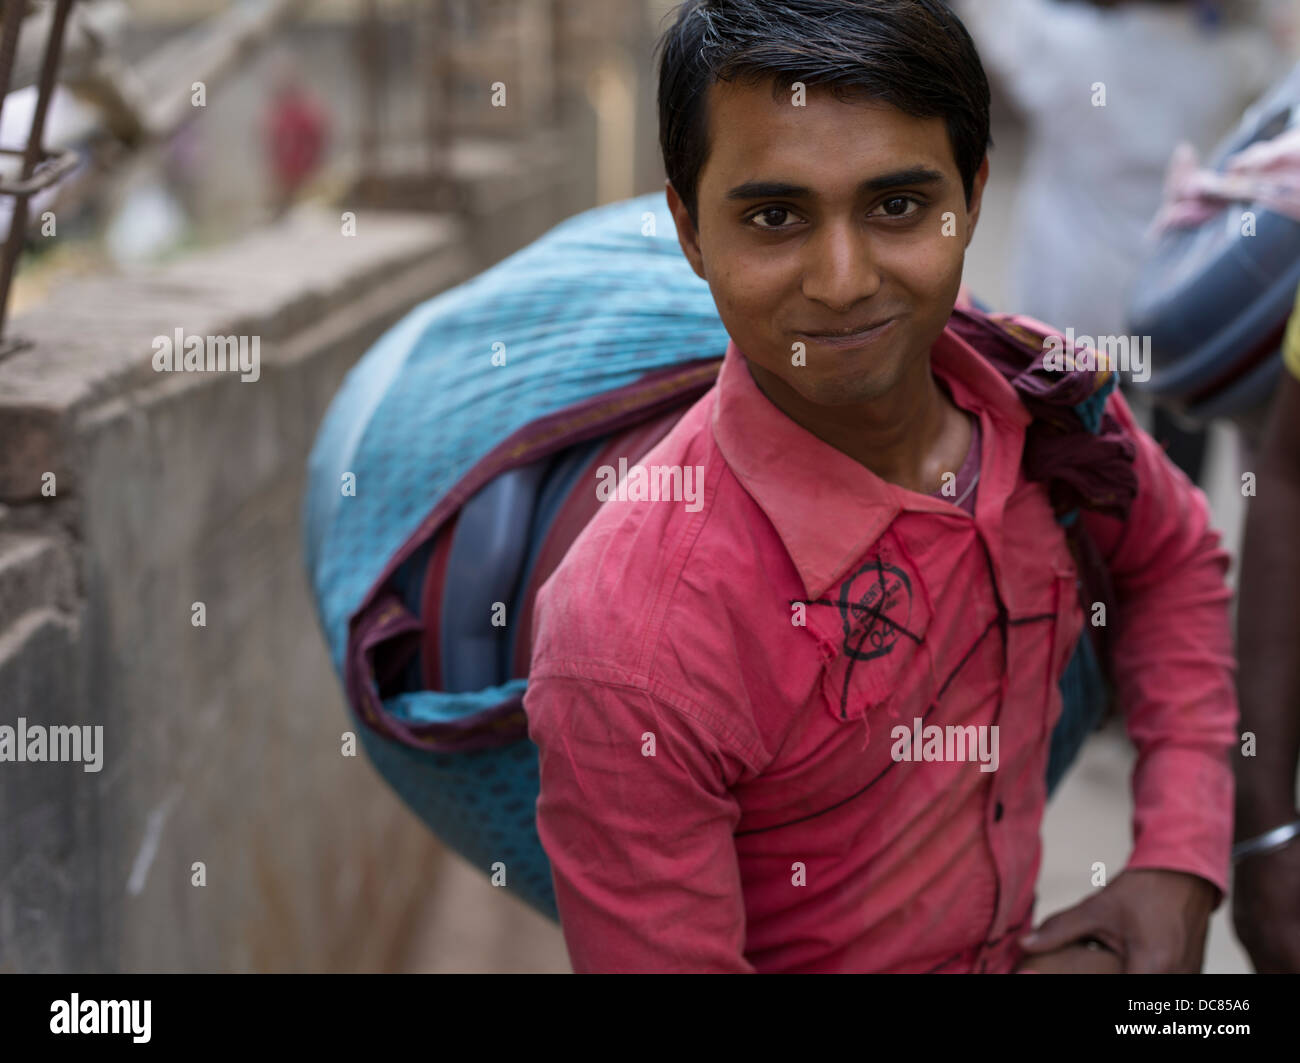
x=849, y=339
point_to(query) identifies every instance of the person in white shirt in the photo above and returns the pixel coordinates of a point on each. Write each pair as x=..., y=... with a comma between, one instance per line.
x=1107, y=91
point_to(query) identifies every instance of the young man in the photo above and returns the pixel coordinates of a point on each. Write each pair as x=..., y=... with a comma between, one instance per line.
x=735, y=701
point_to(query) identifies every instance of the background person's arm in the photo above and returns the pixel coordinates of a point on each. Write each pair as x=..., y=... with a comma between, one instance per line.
x=641, y=848
x=1266, y=890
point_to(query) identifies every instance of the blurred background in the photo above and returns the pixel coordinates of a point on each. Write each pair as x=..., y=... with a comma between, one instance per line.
x=307, y=172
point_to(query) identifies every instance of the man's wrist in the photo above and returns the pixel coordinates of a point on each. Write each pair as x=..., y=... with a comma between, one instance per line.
x=1259, y=812
x=1214, y=892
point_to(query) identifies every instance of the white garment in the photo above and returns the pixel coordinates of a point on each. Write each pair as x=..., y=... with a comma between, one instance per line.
x=1093, y=175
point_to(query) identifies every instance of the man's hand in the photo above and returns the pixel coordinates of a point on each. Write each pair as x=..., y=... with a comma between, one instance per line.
x=1156, y=921
x=1073, y=959
x=1266, y=909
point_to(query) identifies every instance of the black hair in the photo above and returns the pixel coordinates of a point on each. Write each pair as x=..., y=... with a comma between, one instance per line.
x=912, y=54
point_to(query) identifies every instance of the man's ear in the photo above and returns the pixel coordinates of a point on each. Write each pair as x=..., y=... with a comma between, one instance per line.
x=977, y=198
x=686, y=234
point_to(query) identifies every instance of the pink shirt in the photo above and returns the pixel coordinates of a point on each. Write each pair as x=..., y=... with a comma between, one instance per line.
x=714, y=691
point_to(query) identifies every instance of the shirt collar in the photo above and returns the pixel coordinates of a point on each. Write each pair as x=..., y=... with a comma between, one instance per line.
x=797, y=479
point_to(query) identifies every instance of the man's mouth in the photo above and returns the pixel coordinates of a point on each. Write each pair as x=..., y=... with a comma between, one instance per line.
x=851, y=338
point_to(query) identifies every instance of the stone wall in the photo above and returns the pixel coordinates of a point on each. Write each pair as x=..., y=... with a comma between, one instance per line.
x=221, y=743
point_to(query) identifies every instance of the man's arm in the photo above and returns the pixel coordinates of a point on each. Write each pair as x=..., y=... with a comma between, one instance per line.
x=636, y=816
x=1173, y=664
x=1266, y=897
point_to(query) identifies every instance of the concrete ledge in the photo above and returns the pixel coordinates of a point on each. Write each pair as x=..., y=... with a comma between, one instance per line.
x=93, y=340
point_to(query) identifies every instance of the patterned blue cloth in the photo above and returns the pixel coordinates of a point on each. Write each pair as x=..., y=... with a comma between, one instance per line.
x=426, y=403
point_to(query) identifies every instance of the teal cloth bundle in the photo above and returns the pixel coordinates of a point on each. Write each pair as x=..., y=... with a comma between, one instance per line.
x=594, y=327
x=425, y=405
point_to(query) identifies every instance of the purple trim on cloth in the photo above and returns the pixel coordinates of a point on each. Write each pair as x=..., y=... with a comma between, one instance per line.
x=499, y=725
x=381, y=616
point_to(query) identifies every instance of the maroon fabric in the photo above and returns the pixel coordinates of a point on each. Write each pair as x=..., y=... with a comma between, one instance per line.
x=1084, y=470
x=581, y=505
x=431, y=605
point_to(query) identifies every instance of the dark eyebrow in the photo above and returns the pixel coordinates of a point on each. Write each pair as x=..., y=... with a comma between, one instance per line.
x=917, y=175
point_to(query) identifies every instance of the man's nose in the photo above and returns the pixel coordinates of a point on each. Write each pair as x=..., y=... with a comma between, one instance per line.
x=839, y=267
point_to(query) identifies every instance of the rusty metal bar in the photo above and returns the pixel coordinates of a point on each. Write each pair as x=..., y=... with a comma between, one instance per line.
x=33, y=153
x=14, y=11
x=51, y=168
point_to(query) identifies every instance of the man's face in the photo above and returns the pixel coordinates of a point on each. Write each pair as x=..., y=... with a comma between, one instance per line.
x=863, y=222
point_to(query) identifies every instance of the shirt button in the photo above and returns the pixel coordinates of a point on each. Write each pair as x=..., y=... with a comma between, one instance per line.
x=997, y=812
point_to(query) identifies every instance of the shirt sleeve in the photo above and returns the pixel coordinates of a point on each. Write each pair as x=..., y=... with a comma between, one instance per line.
x=1174, y=665
x=637, y=818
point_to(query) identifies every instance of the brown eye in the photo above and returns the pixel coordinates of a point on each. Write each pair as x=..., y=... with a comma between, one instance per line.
x=898, y=207
x=767, y=215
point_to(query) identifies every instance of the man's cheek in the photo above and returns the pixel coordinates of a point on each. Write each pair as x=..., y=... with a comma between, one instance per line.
x=932, y=286
x=931, y=265
x=744, y=302
x=759, y=282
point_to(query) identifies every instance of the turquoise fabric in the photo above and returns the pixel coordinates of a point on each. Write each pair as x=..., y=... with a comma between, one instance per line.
x=426, y=403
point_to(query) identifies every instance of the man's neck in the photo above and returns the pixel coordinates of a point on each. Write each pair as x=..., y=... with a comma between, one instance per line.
x=910, y=437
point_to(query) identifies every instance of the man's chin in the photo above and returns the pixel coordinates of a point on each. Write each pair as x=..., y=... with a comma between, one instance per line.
x=831, y=391
x=838, y=380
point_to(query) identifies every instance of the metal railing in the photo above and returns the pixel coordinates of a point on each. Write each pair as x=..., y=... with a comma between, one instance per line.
x=539, y=46
x=39, y=168
x=142, y=104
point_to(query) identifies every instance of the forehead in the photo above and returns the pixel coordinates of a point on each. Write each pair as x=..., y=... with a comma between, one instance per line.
x=827, y=144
